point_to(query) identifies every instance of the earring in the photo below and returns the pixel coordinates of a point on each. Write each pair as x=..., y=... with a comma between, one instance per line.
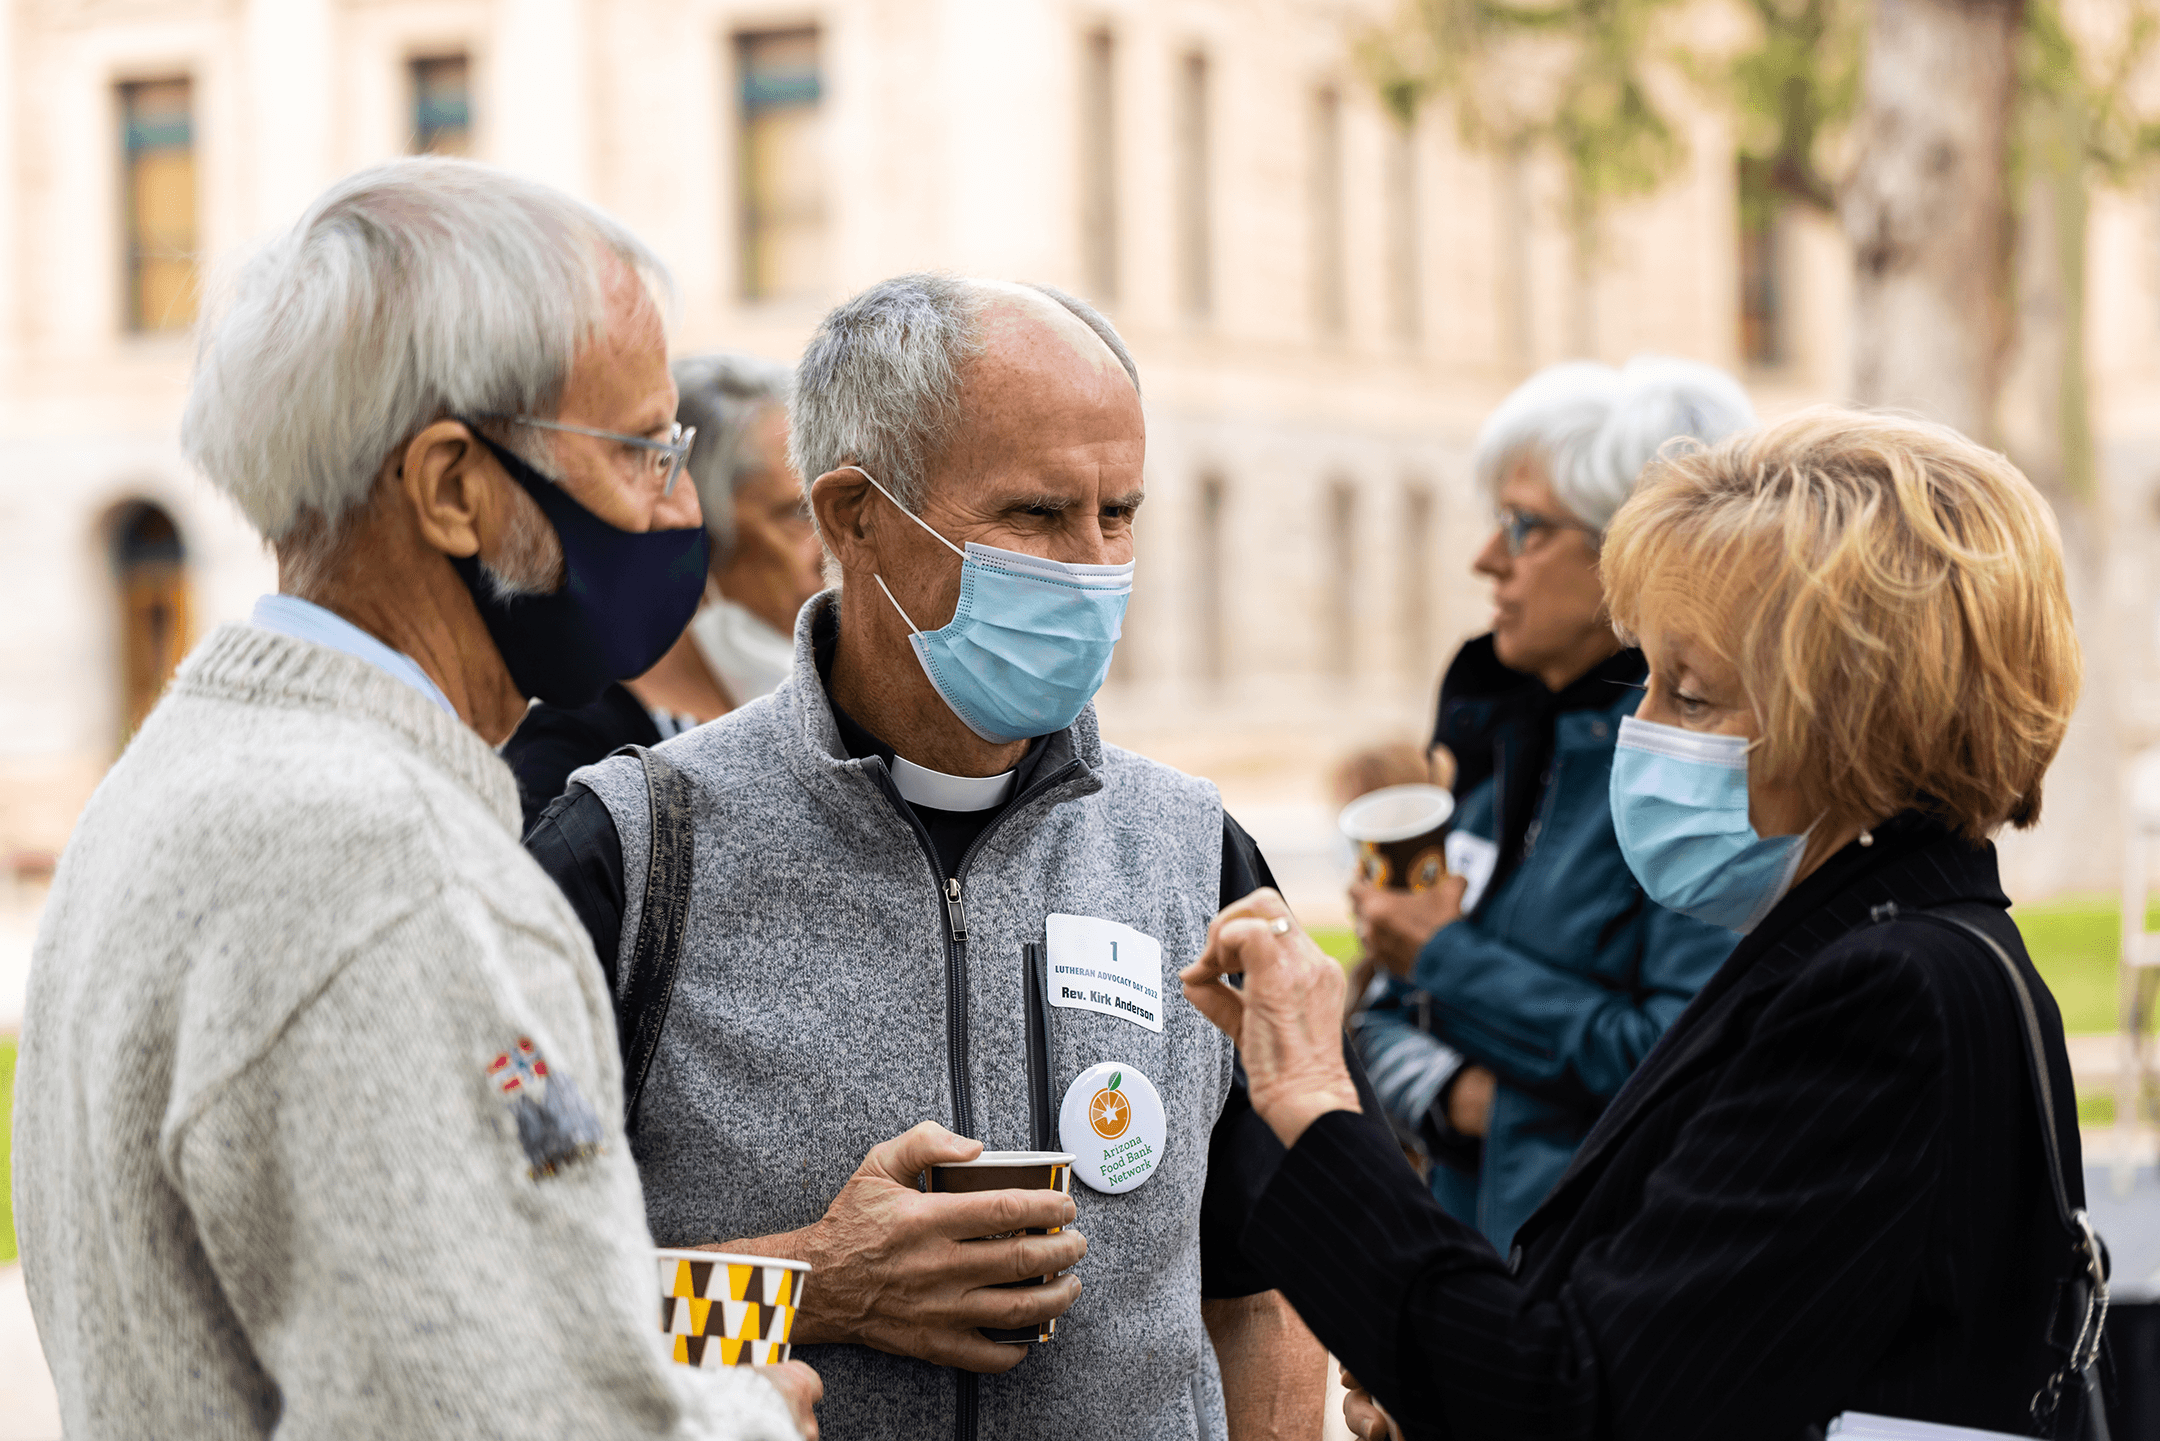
x=1867, y=838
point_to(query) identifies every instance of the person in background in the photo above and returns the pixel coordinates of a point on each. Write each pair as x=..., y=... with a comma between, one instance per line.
x=766, y=561
x=318, y=1125
x=1849, y=1179
x=1518, y=995
x=1376, y=767
x=766, y=557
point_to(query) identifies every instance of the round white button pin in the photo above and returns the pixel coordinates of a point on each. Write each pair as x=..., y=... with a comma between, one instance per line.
x=1112, y=1122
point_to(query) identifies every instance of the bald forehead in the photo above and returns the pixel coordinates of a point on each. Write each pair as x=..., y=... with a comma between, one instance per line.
x=1019, y=324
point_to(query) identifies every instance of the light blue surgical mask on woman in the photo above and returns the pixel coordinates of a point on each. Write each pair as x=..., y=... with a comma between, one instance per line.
x=1030, y=642
x=1680, y=809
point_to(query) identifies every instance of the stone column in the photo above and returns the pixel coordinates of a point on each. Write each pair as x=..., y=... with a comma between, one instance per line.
x=539, y=116
x=291, y=89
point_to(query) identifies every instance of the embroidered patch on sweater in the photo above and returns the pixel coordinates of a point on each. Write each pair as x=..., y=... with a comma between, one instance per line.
x=554, y=1124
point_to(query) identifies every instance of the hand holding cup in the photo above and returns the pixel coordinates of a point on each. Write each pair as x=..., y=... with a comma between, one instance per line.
x=1403, y=892
x=902, y=1270
x=802, y=1389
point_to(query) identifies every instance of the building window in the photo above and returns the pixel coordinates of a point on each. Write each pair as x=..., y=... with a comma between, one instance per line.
x=1209, y=580
x=1194, y=217
x=442, y=106
x=1325, y=207
x=157, y=119
x=1404, y=299
x=150, y=566
x=1338, y=627
x=1417, y=579
x=782, y=165
x=1098, y=166
x=1761, y=320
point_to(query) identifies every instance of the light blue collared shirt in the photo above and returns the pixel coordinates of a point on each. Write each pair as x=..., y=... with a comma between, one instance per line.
x=305, y=620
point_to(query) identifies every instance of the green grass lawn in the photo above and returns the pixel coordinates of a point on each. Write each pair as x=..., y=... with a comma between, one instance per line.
x=2075, y=943
x=1339, y=942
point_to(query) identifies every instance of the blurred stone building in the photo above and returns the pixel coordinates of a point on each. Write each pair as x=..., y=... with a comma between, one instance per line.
x=1323, y=302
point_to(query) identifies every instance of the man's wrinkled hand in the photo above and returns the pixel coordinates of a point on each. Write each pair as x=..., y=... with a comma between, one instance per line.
x=1286, y=1020
x=802, y=1389
x=902, y=1270
x=1395, y=925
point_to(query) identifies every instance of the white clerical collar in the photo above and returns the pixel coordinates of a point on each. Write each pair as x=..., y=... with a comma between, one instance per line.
x=921, y=786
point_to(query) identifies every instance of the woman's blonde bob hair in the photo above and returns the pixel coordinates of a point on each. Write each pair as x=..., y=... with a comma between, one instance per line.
x=1892, y=597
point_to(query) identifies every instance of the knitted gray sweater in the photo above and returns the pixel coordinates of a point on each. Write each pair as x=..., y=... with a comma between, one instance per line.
x=318, y=1112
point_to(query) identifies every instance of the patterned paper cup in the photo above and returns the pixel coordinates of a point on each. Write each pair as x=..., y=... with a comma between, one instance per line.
x=723, y=1310
x=1401, y=835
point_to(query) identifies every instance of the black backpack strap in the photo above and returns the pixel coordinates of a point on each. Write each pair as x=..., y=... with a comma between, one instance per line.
x=648, y=972
x=2088, y=1280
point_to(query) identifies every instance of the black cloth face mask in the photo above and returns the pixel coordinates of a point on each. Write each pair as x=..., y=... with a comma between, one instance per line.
x=625, y=597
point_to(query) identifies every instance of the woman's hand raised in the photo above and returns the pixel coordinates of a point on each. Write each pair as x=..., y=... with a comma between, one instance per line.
x=1287, y=1020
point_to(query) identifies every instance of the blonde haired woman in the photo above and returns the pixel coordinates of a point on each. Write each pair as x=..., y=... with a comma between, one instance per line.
x=1827, y=1189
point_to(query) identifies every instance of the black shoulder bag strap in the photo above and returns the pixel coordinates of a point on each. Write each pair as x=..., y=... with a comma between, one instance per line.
x=2087, y=1269
x=648, y=975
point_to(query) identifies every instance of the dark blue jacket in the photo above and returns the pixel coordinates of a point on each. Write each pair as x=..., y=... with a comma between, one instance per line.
x=1563, y=974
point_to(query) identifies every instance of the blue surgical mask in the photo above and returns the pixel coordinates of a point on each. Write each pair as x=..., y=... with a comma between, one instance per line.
x=1680, y=809
x=1030, y=642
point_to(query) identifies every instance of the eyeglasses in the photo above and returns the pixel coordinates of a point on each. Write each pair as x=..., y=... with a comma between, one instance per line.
x=1517, y=526
x=664, y=461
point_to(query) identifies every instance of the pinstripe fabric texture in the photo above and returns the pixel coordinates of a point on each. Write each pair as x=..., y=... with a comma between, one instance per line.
x=1822, y=1191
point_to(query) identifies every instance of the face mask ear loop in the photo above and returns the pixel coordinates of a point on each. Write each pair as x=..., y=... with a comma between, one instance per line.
x=1785, y=882
x=881, y=585
x=911, y=515
x=913, y=629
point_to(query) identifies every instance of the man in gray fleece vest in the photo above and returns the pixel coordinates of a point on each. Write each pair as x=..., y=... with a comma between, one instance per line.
x=921, y=886
x=318, y=1122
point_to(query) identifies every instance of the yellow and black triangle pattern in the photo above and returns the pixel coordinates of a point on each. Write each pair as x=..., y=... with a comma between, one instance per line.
x=742, y=1320
x=726, y=1281
x=719, y=1313
x=709, y=1351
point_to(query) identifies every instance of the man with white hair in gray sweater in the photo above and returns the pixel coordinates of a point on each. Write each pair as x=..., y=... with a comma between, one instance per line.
x=318, y=1112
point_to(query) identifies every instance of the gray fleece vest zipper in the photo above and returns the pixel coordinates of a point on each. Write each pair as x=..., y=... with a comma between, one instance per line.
x=956, y=1000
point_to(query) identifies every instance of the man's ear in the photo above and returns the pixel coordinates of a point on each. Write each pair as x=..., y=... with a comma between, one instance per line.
x=450, y=481
x=840, y=499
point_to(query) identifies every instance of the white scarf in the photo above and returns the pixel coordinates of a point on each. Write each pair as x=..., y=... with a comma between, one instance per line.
x=748, y=656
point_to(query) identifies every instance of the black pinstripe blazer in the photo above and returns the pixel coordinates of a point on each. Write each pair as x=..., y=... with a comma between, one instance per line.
x=1822, y=1191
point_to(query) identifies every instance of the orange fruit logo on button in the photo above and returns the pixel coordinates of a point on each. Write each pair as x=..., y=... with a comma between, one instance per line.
x=1108, y=1112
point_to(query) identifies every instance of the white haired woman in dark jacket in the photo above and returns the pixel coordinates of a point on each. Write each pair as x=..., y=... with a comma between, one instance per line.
x=1523, y=991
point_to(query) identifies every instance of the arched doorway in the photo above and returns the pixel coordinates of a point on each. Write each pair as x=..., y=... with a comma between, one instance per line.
x=150, y=567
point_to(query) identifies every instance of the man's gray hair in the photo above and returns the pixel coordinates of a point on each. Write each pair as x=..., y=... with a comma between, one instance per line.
x=879, y=384
x=1594, y=428
x=410, y=291
x=723, y=395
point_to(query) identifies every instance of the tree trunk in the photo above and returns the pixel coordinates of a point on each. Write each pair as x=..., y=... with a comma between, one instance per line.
x=1926, y=209
x=2044, y=411
x=2045, y=421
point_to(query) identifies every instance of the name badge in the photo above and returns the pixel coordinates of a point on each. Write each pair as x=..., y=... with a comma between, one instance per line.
x=1098, y=965
x=1472, y=858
